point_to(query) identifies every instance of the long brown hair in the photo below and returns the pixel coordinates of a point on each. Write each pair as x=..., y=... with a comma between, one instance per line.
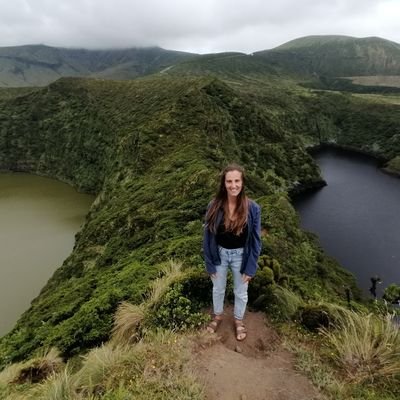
x=220, y=202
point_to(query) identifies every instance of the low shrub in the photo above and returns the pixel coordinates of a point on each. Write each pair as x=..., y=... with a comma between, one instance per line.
x=315, y=316
x=176, y=311
x=279, y=303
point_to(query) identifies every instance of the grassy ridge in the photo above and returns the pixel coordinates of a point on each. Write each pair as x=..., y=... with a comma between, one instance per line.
x=338, y=56
x=150, y=149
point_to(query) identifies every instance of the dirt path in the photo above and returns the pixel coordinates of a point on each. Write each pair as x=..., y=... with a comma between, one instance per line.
x=255, y=369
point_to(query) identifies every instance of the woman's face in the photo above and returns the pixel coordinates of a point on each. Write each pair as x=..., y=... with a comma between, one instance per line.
x=233, y=183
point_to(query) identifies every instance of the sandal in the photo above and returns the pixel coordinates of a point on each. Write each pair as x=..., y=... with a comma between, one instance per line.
x=241, y=331
x=213, y=326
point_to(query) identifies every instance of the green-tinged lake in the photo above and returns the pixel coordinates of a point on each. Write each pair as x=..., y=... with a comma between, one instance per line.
x=39, y=218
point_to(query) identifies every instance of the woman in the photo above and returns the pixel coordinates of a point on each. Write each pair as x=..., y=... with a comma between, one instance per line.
x=231, y=240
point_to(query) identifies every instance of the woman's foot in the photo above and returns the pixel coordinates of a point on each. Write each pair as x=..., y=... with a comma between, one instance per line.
x=213, y=326
x=241, y=331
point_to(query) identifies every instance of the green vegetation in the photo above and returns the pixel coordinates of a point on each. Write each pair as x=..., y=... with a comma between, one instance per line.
x=323, y=59
x=150, y=369
x=346, y=85
x=392, y=293
x=367, y=124
x=347, y=354
x=393, y=166
x=336, y=56
x=150, y=150
x=366, y=347
x=39, y=65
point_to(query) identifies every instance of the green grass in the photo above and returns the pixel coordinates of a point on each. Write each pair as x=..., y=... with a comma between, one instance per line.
x=365, y=347
x=150, y=369
x=356, y=357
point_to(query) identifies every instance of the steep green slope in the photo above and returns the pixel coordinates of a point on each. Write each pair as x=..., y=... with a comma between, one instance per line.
x=38, y=65
x=151, y=150
x=365, y=123
x=335, y=56
x=360, y=121
x=356, y=119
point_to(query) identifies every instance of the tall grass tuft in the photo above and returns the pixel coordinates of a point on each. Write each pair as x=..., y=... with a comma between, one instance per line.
x=10, y=373
x=127, y=321
x=171, y=273
x=130, y=318
x=287, y=302
x=37, y=369
x=365, y=347
x=102, y=365
x=59, y=386
x=149, y=369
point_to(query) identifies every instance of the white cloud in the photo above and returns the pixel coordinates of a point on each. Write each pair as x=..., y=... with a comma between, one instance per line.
x=191, y=25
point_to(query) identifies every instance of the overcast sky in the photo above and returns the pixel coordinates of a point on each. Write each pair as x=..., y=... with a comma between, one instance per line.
x=200, y=26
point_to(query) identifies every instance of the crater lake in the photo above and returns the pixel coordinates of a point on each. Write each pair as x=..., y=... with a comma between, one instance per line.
x=356, y=216
x=39, y=219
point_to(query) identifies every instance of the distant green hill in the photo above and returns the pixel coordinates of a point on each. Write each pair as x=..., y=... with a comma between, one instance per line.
x=336, y=56
x=38, y=65
x=308, y=57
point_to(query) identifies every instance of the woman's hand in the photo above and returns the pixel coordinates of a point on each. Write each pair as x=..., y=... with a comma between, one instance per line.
x=246, y=278
x=213, y=276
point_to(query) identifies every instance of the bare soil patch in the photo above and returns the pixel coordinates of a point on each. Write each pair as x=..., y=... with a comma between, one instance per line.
x=258, y=368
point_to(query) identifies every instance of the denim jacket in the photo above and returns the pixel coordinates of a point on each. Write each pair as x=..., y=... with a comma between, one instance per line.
x=252, y=247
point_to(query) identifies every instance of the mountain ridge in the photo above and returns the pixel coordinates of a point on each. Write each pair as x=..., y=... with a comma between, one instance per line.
x=309, y=56
x=336, y=56
x=38, y=65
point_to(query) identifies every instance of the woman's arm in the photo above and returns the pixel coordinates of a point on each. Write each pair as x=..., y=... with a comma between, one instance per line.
x=254, y=243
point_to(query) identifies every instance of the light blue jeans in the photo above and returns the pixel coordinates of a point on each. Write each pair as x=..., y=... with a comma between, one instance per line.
x=230, y=258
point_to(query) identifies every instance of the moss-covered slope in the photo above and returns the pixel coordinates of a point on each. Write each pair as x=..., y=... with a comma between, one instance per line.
x=151, y=150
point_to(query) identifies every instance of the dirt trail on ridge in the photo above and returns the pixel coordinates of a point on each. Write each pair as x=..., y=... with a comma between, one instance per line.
x=256, y=369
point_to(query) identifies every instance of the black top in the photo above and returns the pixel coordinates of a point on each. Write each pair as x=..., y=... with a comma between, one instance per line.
x=229, y=240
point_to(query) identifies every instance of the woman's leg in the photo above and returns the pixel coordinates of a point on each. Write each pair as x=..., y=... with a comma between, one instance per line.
x=219, y=284
x=239, y=287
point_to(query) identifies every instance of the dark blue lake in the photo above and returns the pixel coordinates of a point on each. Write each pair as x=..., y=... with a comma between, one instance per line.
x=357, y=216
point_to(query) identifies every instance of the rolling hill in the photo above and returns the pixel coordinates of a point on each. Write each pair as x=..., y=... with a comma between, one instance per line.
x=336, y=56
x=38, y=65
x=303, y=58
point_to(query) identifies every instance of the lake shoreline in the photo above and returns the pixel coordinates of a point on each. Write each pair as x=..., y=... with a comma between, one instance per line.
x=381, y=160
x=355, y=216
